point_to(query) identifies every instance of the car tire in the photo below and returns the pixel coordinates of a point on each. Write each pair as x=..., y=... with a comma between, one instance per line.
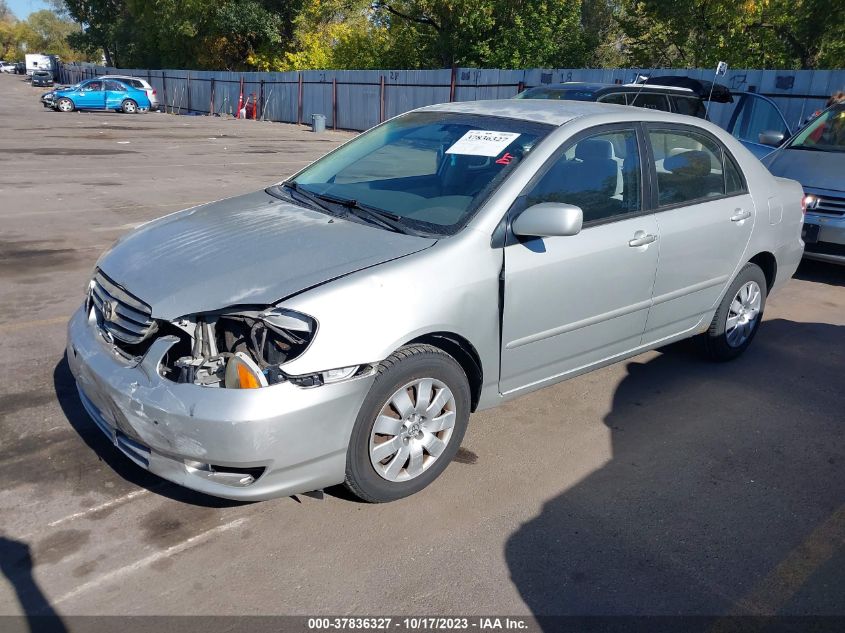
x=738, y=317
x=417, y=409
x=65, y=105
x=129, y=107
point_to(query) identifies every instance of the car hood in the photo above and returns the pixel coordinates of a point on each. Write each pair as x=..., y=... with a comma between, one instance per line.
x=253, y=249
x=817, y=170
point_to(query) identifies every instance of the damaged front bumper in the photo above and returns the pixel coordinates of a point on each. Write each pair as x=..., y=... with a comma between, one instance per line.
x=245, y=444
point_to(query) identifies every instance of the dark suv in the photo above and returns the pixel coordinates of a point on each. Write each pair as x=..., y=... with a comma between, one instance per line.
x=669, y=94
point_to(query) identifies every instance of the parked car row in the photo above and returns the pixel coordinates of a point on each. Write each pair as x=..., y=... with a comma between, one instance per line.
x=814, y=154
x=108, y=92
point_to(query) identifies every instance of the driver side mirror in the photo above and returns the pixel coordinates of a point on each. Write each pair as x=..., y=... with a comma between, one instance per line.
x=549, y=219
x=771, y=138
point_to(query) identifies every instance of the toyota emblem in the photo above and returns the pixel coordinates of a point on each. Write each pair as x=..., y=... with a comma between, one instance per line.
x=109, y=310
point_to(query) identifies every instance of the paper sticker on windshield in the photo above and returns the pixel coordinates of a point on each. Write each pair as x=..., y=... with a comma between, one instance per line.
x=482, y=143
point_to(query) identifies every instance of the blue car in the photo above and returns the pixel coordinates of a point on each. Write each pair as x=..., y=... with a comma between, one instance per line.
x=101, y=94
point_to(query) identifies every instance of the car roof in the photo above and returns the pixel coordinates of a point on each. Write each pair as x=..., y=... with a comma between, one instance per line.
x=555, y=112
x=595, y=87
x=121, y=77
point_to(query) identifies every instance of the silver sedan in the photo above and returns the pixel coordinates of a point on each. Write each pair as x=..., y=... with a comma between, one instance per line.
x=341, y=326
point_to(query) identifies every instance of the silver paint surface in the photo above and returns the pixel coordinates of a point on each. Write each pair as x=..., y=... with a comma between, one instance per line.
x=571, y=303
x=251, y=249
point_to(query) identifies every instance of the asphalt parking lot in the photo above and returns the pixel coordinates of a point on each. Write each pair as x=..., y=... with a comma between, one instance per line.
x=661, y=485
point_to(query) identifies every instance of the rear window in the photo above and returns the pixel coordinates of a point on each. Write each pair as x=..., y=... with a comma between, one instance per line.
x=649, y=100
x=558, y=94
x=689, y=106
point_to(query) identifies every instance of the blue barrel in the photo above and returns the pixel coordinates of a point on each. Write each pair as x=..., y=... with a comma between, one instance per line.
x=318, y=123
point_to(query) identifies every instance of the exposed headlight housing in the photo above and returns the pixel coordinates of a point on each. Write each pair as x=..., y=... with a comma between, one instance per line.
x=240, y=350
x=243, y=373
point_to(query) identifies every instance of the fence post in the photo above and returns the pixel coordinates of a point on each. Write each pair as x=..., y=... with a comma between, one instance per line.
x=261, y=98
x=164, y=88
x=520, y=87
x=381, y=100
x=211, y=101
x=452, y=83
x=334, y=103
x=189, y=92
x=299, y=102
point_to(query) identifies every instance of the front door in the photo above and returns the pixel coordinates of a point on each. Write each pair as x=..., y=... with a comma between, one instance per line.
x=754, y=117
x=570, y=302
x=704, y=215
x=91, y=95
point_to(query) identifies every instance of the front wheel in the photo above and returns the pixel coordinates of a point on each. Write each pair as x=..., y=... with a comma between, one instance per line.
x=410, y=426
x=64, y=105
x=129, y=106
x=739, y=315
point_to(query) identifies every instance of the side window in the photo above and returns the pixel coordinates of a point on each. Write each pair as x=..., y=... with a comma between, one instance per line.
x=613, y=97
x=650, y=101
x=688, y=165
x=116, y=86
x=755, y=115
x=689, y=106
x=600, y=174
x=93, y=86
x=733, y=179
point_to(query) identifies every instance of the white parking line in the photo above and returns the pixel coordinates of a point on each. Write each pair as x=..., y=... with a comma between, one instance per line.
x=102, y=506
x=149, y=560
x=122, y=227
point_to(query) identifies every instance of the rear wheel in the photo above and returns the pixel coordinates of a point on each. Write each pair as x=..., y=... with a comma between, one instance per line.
x=410, y=426
x=64, y=105
x=739, y=315
x=129, y=106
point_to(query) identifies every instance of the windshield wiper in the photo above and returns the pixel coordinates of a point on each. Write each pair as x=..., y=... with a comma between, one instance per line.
x=807, y=148
x=385, y=219
x=311, y=198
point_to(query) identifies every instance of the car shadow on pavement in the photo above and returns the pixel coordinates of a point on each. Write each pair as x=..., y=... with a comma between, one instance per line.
x=724, y=494
x=16, y=565
x=821, y=272
x=71, y=405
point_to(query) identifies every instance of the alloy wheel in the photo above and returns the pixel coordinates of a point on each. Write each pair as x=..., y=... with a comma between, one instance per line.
x=743, y=314
x=412, y=429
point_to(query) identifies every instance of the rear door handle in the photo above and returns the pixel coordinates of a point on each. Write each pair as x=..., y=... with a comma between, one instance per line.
x=740, y=215
x=641, y=238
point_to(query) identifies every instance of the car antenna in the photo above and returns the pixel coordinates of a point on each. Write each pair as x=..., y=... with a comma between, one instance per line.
x=642, y=85
x=721, y=69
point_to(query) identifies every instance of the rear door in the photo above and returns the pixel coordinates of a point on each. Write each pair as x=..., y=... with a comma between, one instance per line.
x=115, y=94
x=704, y=214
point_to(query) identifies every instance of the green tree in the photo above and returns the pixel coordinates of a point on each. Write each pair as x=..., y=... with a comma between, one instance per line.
x=751, y=33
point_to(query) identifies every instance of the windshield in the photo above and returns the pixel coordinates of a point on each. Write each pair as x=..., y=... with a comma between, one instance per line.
x=557, y=93
x=826, y=133
x=429, y=170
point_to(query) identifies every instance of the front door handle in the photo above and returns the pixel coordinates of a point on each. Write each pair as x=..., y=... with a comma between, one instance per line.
x=740, y=215
x=641, y=238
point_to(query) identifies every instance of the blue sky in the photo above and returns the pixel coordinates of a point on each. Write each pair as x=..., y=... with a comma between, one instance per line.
x=22, y=8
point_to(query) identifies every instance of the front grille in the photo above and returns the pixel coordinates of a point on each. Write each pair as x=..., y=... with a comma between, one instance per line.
x=123, y=316
x=830, y=206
